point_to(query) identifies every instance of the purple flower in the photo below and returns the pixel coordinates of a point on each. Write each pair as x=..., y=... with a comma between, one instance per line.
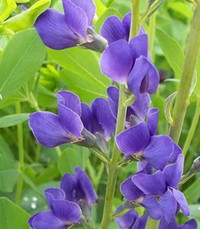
x=158, y=192
x=63, y=213
x=52, y=130
x=98, y=118
x=78, y=188
x=138, y=109
x=129, y=63
x=74, y=27
x=113, y=29
x=131, y=220
x=140, y=141
x=191, y=224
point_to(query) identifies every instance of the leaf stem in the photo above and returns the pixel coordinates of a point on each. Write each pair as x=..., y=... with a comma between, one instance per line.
x=21, y=157
x=135, y=18
x=187, y=78
x=192, y=128
x=113, y=168
x=152, y=24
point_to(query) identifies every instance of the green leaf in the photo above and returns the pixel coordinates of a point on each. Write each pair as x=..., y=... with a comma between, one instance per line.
x=82, y=74
x=27, y=18
x=12, y=216
x=70, y=159
x=182, y=8
x=8, y=168
x=101, y=8
x=12, y=120
x=6, y=8
x=172, y=51
x=195, y=211
x=192, y=192
x=20, y=61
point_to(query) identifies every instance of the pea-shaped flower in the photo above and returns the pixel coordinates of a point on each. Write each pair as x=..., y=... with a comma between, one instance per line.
x=74, y=27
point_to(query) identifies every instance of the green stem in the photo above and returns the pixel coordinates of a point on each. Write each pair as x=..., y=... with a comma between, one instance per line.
x=187, y=78
x=21, y=157
x=192, y=128
x=135, y=18
x=113, y=168
x=152, y=24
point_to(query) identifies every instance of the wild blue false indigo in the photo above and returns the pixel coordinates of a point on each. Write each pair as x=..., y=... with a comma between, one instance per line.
x=52, y=130
x=78, y=188
x=140, y=140
x=131, y=220
x=191, y=224
x=158, y=192
x=129, y=63
x=74, y=27
x=63, y=213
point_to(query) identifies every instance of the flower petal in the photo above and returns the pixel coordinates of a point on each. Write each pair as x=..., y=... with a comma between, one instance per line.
x=127, y=220
x=142, y=222
x=66, y=210
x=126, y=21
x=139, y=45
x=180, y=198
x=158, y=151
x=116, y=61
x=137, y=75
x=88, y=7
x=54, y=31
x=46, y=220
x=191, y=224
x=152, y=120
x=173, y=173
x=153, y=78
x=102, y=116
x=113, y=99
x=174, y=155
x=86, y=185
x=140, y=107
x=113, y=30
x=129, y=190
x=152, y=206
x=47, y=129
x=71, y=122
x=150, y=184
x=168, y=225
x=168, y=205
x=69, y=100
x=134, y=139
x=54, y=193
x=76, y=18
x=86, y=117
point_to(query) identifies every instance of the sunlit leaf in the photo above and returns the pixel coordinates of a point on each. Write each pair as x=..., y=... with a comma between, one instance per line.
x=12, y=120
x=6, y=8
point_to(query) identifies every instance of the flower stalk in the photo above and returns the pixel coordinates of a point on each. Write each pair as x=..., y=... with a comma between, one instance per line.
x=135, y=18
x=113, y=169
x=187, y=77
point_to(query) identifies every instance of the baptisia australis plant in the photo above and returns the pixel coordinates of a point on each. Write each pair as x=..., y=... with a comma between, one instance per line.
x=126, y=113
x=73, y=28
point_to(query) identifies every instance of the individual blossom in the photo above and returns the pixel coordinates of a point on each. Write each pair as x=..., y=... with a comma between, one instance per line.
x=98, y=118
x=52, y=130
x=114, y=29
x=190, y=224
x=158, y=192
x=136, y=111
x=142, y=142
x=62, y=213
x=73, y=28
x=128, y=63
x=78, y=188
x=131, y=220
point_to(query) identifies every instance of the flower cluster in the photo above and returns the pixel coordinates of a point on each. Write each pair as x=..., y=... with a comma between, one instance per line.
x=69, y=204
x=160, y=161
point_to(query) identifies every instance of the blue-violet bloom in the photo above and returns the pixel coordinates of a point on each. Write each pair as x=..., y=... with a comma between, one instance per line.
x=74, y=27
x=63, y=213
x=190, y=224
x=78, y=188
